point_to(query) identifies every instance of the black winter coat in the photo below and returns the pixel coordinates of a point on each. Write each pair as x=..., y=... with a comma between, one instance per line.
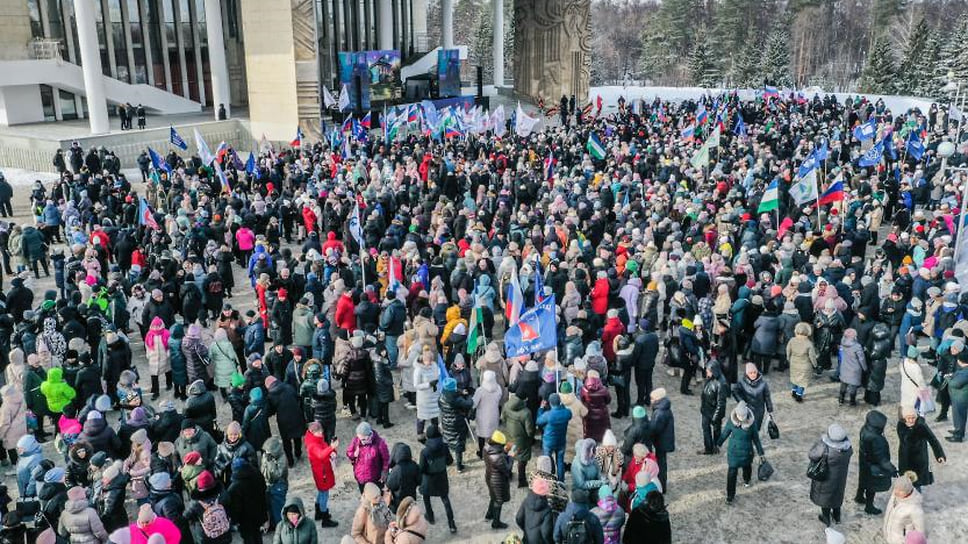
x=646, y=521
x=110, y=503
x=756, y=394
x=713, y=397
x=497, y=472
x=359, y=373
x=912, y=452
x=404, y=476
x=881, y=344
x=88, y=383
x=536, y=520
x=639, y=432
x=662, y=428
x=169, y=505
x=101, y=437
x=245, y=498
x=200, y=408
x=382, y=380
x=284, y=404
x=874, y=455
x=434, y=460
x=454, y=409
x=166, y=427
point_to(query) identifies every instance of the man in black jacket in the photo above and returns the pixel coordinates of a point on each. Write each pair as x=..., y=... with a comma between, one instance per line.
x=712, y=406
x=391, y=323
x=646, y=350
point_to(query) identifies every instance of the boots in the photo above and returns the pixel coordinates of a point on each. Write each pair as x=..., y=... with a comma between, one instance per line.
x=154, y=387
x=452, y=525
x=824, y=516
x=522, y=474
x=843, y=393
x=319, y=513
x=429, y=516
x=853, y=398
x=168, y=380
x=497, y=523
x=327, y=521
x=836, y=515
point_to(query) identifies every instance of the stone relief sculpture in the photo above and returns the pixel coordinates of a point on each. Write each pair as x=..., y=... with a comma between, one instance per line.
x=552, y=49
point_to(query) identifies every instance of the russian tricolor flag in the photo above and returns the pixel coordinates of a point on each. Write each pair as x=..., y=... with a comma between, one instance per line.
x=689, y=132
x=549, y=167
x=366, y=122
x=702, y=115
x=297, y=141
x=770, y=92
x=834, y=193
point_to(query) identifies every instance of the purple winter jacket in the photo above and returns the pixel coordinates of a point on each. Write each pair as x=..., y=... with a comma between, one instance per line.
x=371, y=460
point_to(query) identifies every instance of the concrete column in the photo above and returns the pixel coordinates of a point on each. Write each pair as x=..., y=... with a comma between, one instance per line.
x=109, y=39
x=216, y=57
x=498, y=47
x=385, y=20
x=97, y=105
x=447, y=23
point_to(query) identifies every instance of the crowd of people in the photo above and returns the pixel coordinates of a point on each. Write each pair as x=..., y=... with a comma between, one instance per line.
x=380, y=275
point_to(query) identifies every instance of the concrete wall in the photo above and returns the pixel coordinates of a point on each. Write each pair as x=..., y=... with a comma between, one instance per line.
x=270, y=68
x=20, y=104
x=36, y=153
x=14, y=29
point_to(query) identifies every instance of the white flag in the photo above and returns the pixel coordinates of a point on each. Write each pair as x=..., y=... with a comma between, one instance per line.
x=203, y=151
x=497, y=121
x=328, y=100
x=713, y=140
x=805, y=188
x=524, y=124
x=344, y=98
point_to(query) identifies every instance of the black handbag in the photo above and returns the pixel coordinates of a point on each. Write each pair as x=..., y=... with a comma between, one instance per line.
x=819, y=470
x=764, y=471
x=772, y=429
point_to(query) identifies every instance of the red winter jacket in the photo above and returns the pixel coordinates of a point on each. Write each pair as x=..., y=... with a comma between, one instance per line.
x=320, y=460
x=600, y=296
x=345, y=316
x=613, y=328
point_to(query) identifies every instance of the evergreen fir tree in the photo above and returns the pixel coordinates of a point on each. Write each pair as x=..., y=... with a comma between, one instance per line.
x=481, y=47
x=701, y=66
x=925, y=85
x=776, y=56
x=746, y=70
x=952, y=58
x=732, y=31
x=917, y=60
x=667, y=36
x=880, y=72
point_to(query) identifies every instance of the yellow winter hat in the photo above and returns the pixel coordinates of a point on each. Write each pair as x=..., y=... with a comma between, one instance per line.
x=498, y=438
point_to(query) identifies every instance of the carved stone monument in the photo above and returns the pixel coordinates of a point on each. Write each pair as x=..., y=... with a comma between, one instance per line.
x=552, y=45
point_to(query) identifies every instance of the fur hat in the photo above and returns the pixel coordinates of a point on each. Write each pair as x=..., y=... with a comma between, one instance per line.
x=139, y=437
x=364, y=429
x=657, y=394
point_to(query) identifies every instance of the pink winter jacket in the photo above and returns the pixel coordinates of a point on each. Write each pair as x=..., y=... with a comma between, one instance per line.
x=370, y=461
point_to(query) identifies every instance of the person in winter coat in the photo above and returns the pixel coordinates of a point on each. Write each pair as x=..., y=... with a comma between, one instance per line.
x=34, y=378
x=639, y=432
x=383, y=392
x=535, y=517
x=223, y=357
x=206, y=498
x=650, y=518
x=233, y=447
x=912, y=378
x=255, y=420
x=53, y=497
x=148, y=525
x=245, y=501
x=30, y=456
x=284, y=404
x=195, y=353
x=610, y=515
x=487, y=404
x=426, y=378
x=358, y=377
x=176, y=359
x=454, y=410
x=914, y=436
x=553, y=419
x=828, y=327
x=80, y=523
x=905, y=513
x=194, y=439
x=137, y=465
x=576, y=425
x=754, y=390
x=958, y=391
x=157, y=349
x=58, y=393
x=434, y=460
x=324, y=408
x=519, y=428
x=200, y=408
x=13, y=419
x=596, y=398
x=372, y=517
x=100, y=435
x=663, y=432
x=874, y=461
x=168, y=504
x=766, y=335
x=712, y=406
x=294, y=527
x=585, y=471
x=404, y=476
x=497, y=476
x=109, y=500
x=369, y=456
x=599, y=295
x=275, y=472
x=828, y=494
x=577, y=514
x=743, y=438
x=801, y=356
x=321, y=457
x=852, y=366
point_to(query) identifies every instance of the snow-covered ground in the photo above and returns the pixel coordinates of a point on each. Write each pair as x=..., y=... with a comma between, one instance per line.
x=611, y=94
x=18, y=177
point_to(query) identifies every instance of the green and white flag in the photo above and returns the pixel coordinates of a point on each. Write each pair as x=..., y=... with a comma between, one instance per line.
x=771, y=198
x=713, y=140
x=700, y=159
x=595, y=147
x=474, y=332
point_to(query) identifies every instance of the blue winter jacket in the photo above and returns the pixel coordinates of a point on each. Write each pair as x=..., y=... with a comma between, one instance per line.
x=554, y=422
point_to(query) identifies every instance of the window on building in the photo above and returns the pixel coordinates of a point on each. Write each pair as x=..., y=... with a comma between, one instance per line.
x=36, y=27
x=47, y=101
x=68, y=105
x=155, y=28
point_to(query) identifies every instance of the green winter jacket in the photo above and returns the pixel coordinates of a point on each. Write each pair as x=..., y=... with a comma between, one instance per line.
x=304, y=532
x=57, y=392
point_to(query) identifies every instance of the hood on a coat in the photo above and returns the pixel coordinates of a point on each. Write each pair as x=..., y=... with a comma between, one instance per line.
x=297, y=503
x=273, y=447
x=401, y=453
x=875, y=421
x=56, y=375
x=196, y=388
x=585, y=451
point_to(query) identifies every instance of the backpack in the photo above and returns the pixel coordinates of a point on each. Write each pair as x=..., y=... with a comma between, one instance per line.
x=215, y=521
x=576, y=532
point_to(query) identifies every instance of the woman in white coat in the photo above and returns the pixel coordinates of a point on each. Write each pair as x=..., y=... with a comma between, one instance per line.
x=426, y=380
x=904, y=512
x=487, y=406
x=912, y=378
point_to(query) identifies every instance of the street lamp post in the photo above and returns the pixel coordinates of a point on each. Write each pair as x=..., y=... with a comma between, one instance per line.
x=945, y=150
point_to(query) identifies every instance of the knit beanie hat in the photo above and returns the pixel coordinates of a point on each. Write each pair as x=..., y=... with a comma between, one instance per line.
x=205, y=481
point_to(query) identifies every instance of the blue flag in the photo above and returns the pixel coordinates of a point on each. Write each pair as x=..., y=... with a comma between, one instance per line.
x=822, y=152
x=873, y=155
x=808, y=165
x=250, y=164
x=740, y=128
x=866, y=131
x=176, y=140
x=538, y=283
x=888, y=142
x=442, y=367
x=915, y=147
x=157, y=162
x=536, y=330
